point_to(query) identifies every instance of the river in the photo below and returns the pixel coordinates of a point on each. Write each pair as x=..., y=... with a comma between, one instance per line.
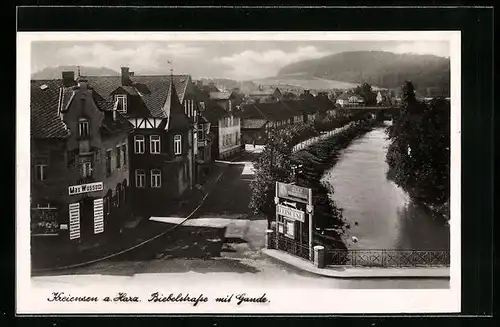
x=386, y=218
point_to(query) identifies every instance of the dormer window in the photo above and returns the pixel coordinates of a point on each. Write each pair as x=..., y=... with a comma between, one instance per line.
x=122, y=103
x=83, y=127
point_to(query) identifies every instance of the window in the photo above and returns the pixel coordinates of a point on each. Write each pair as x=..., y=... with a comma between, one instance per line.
x=125, y=154
x=108, y=163
x=155, y=178
x=85, y=165
x=83, y=127
x=177, y=144
x=154, y=144
x=118, y=156
x=41, y=169
x=140, y=178
x=139, y=144
x=122, y=101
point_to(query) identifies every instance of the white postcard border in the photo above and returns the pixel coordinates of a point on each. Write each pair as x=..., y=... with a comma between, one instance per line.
x=33, y=292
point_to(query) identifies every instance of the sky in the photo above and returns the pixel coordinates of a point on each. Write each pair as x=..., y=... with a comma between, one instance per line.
x=240, y=60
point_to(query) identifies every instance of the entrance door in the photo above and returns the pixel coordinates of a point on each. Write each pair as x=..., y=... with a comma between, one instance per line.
x=87, y=218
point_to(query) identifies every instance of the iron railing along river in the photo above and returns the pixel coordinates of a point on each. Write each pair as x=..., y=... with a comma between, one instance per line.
x=365, y=258
x=387, y=258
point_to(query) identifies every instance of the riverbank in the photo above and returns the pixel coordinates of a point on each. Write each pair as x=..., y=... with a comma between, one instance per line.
x=315, y=160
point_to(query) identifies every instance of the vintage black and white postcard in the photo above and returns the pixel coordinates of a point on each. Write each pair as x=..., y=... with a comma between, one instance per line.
x=238, y=172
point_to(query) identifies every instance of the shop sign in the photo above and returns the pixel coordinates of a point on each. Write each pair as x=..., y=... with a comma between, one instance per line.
x=85, y=188
x=293, y=192
x=290, y=213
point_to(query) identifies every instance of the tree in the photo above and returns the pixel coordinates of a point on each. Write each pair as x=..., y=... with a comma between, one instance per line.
x=365, y=91
x=418, y=156
x=272, y=165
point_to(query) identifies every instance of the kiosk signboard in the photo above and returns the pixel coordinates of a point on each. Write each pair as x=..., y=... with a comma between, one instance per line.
x=293, y=202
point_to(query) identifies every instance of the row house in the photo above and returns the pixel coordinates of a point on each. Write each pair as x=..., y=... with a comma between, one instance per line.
x=349, y=100
x=226, y=127
x=80, y=164
x=258, y=119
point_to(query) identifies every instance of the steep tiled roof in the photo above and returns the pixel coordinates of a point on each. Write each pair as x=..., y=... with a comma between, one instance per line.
x=249, y=111
x=214, y=112
x=153, y=88
x=253, y=123
x=177, y=118
x=47, y=103
x=45, y=121
x=268, y=111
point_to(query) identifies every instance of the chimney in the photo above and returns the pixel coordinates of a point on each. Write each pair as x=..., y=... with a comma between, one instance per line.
x=125, y=76
x=68, y=78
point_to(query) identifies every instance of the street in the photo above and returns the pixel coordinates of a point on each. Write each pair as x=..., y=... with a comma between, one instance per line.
x=221, y=242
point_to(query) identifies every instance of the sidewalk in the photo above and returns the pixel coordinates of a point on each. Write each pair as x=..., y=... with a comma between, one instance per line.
x=354, y=272
x=135, y=230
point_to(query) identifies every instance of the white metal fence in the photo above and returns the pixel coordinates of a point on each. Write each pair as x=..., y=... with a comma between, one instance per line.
x=313, y=140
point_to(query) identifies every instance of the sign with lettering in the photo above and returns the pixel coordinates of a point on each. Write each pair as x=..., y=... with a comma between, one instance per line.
x=293, y=192
x=85, y=188
x=291, y=213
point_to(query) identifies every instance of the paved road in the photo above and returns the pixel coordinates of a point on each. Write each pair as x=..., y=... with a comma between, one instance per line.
x=223, y=244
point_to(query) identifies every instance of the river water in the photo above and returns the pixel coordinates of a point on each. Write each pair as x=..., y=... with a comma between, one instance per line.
x=385, y=216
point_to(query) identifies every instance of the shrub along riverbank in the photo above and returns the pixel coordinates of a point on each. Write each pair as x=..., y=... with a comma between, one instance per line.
x=276, y=162
x=419, y=153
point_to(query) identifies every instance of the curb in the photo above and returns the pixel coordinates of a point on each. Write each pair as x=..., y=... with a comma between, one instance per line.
x=143, y=242
x=353, y=272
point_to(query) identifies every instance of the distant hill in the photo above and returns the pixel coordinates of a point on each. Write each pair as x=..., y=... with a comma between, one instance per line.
x=429, y=74
x=56, y=72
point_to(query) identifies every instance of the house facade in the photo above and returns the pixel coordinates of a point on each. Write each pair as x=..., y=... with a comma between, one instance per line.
x=349, y=100
x=164, y=149
x=226, y=125
x=80, y=170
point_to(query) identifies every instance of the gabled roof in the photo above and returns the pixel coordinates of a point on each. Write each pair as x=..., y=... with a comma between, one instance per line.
x=47, y=104
x=177, y=118
x=274, y=111
x=45, y=120
x=153, y=89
